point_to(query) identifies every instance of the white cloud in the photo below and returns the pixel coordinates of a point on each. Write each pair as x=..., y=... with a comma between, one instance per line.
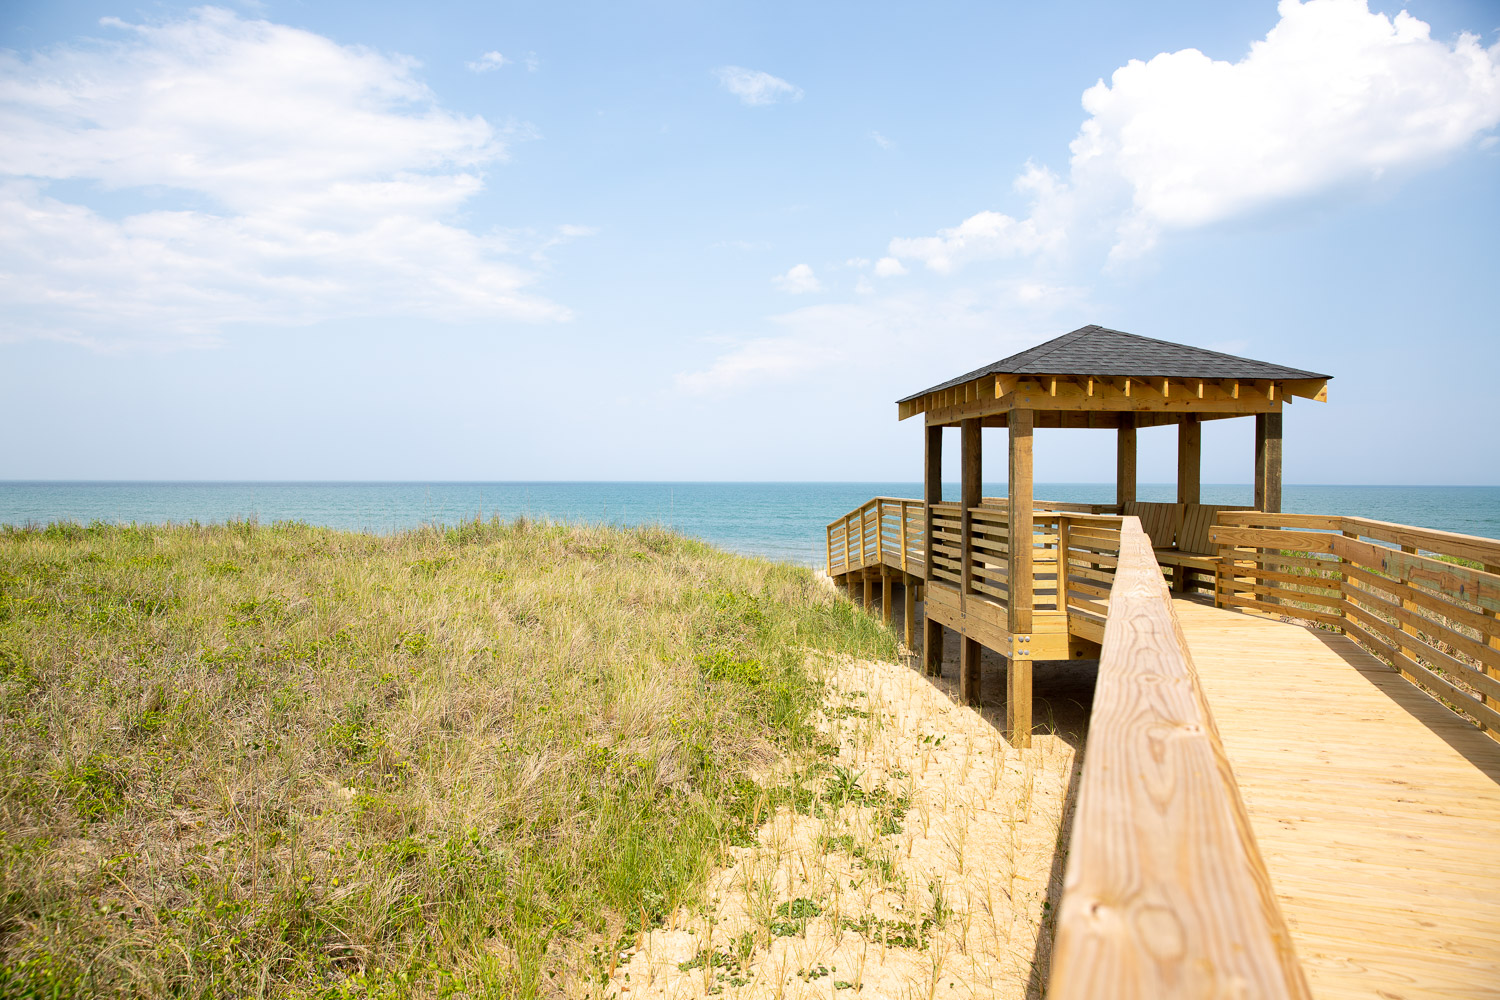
x=488, y=62
x=237, y=171
x=756, y=88
x=798, y=281
x=990, y=235
x=889, y=267
x=532, y=62
x=882, y=141
x=1333, y=94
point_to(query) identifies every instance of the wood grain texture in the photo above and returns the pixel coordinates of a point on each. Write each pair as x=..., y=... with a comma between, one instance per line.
x=1125, y=458
x=1189, y=459
x=1375, y=807
x=1166, y=894
x=1268, y=461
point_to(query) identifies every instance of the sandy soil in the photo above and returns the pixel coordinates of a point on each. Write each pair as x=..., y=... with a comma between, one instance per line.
x=922, y=861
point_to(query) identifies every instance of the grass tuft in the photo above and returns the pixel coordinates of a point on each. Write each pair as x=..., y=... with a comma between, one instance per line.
x=279, y=760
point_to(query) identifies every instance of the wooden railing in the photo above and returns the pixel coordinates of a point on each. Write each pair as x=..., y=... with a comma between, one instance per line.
x=1427, y=602
x=1092, y=544
x=1166, y=894
x=885, y=526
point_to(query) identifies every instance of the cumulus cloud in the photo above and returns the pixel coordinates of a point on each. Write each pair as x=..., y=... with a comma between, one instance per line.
x=990, y=235
x=889, y=267
x=227, y=171
x=1334, y=93
x=756, y=88
x=798, y=281
x=882, y=141
x=488, y=62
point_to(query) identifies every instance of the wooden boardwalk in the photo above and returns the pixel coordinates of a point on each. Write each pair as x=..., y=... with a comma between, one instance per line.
x=1377, y=810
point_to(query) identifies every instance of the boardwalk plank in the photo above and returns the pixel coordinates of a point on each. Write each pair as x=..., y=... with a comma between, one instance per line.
x=1376, y=808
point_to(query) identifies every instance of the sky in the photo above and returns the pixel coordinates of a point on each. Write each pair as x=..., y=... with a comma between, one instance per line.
x=714, y=241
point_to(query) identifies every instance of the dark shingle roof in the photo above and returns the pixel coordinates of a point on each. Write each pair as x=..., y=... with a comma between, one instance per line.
x=1098, y=350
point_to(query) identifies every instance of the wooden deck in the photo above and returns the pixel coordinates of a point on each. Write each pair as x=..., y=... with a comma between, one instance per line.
x=1377, y=810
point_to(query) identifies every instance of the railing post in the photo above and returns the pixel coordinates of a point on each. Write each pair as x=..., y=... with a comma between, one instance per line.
x=903, y=539
x=880, y=531
x=932, y=492
x=1062, y=563
x=972, y=462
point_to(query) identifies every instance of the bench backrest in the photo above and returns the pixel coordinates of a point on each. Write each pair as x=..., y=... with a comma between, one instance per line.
x=1159, y=521
x=1193, y=536
x=1183, y=526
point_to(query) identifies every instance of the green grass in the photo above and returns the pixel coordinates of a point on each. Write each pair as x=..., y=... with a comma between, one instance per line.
x=288, y=761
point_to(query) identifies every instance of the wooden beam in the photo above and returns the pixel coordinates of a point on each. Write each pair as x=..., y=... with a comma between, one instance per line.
x=1020, y=581
x=1125, y=460
x=887, y=591
x=1189, y=460
x=932, y=492
x=1268, y=462
x=1315, y=389
x=970, y=495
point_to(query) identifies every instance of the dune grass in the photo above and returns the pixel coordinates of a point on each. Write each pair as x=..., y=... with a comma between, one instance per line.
x=288, y=761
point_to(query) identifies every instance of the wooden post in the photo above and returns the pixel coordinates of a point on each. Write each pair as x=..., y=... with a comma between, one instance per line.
x=970, y=491
x=903, y=537
x=864, y=534
x=1494, y=643
x=968, y=498
x=1019, y=580
x=1189, y=459
x=932, y=492
x=885, y=595
x=1268, y=462
x=880, y=531
x=909, y=612
x=1125, y=460
x=969, y=685
x=1415, y=612
x=1063, y=542
x=869, y=589
x=1189, y=477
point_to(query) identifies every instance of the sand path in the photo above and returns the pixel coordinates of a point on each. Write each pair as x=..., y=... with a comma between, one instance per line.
x=921, y=861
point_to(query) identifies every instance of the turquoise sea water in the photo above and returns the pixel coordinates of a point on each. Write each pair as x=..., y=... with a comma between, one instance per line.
x=779, y=520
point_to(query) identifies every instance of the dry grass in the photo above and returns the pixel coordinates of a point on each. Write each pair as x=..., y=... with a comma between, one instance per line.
x=287, y=761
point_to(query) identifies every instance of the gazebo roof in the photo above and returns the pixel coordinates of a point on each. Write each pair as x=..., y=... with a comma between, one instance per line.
x=1102, y=373
x=1098, y=350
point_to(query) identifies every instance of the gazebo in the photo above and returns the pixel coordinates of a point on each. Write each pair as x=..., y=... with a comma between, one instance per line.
x=981, y=586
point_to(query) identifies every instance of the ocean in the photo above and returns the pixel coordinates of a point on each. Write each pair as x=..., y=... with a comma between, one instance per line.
x=779, y=520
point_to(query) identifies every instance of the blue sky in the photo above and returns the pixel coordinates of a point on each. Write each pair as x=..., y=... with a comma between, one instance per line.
x=713, y=241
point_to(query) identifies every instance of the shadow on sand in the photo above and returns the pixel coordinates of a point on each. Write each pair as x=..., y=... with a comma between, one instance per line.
x=1062, y=699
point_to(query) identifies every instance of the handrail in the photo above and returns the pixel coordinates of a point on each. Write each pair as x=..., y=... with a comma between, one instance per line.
x=1166, y=894
x=1400, y=595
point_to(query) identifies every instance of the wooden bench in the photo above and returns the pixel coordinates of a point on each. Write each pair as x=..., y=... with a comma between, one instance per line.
x=1179, y=536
